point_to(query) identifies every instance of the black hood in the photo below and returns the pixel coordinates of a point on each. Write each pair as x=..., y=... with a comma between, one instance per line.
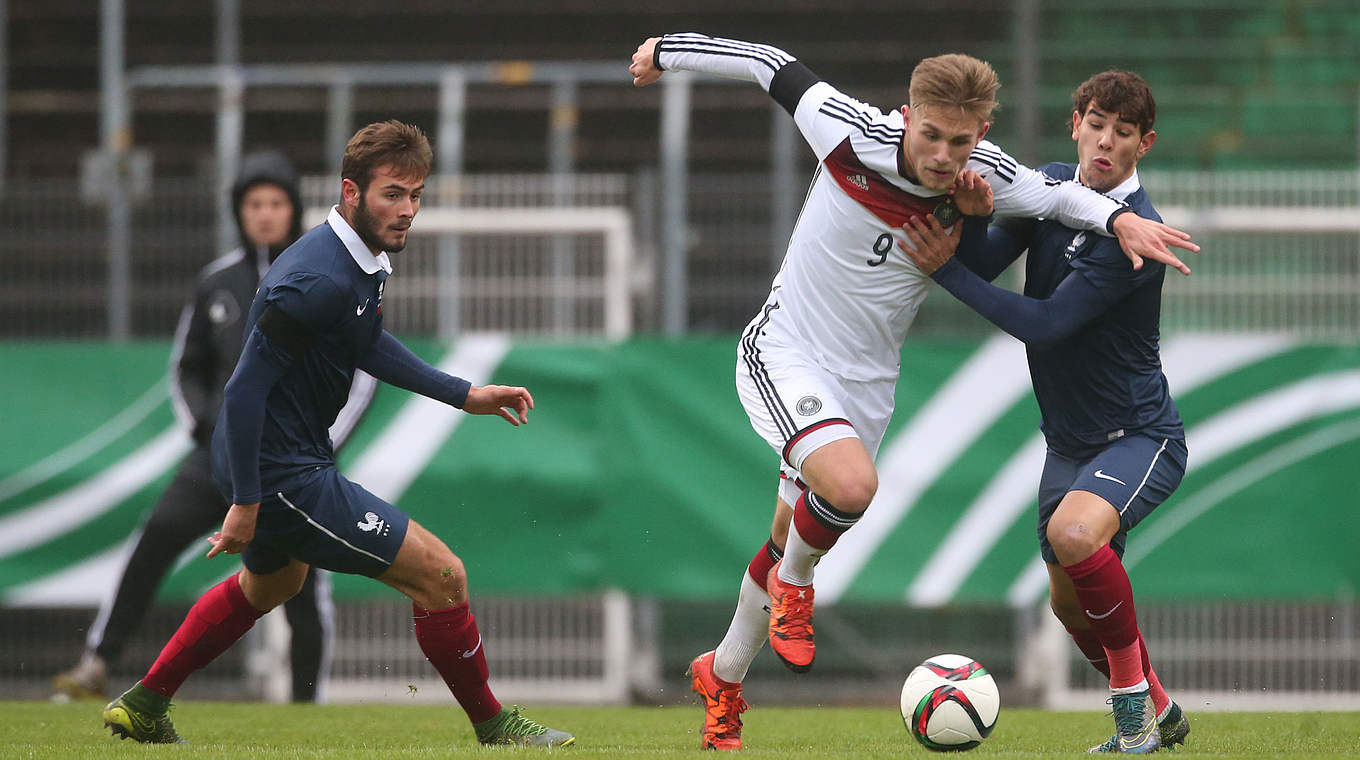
x=273, y=167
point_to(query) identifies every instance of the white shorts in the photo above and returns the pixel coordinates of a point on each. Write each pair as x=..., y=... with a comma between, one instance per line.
x=798, y=406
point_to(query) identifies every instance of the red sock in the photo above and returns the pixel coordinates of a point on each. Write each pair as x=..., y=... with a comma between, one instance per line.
x=1095, y=654
x=214, y=623
x=1126, y=666
x=451, y=642
x=1090, y=646
x=820, y=524
x=1103, y=588
x=1160, y=699
x=759, y=569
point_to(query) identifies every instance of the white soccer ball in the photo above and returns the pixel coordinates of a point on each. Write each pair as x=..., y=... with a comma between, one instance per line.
x=950, y=703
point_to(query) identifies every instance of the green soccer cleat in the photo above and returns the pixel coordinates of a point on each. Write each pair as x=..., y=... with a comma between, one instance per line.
x=1136, y=729
x=509, y=727
x=127, y=722
x=1173, y=728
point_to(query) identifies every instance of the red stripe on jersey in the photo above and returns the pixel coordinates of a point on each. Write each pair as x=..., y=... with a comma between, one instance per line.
x=869, y=189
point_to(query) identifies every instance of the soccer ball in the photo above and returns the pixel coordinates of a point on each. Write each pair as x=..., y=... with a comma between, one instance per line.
x=950, y=703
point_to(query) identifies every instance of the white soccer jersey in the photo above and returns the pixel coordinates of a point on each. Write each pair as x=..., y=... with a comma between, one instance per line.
x=844, y=294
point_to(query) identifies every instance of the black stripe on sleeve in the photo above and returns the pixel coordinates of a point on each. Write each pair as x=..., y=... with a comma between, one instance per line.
x=287, y=333
x=789, y=84
x=762, y=59
x=1001, y=171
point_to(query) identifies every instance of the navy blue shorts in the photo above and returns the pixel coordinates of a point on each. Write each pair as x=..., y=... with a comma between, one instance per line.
x=1133, y=474
x=326, y=521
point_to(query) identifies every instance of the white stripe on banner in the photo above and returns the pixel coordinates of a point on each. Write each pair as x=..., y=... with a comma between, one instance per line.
x=1225, y=432
x=1189, y=361
x=411, y=440
x=81, y=584
x=61, y=461
x=65, y=511
x=987, y=385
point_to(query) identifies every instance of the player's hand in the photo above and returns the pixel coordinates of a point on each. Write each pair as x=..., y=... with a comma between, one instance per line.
x=934, y=245
x=509, y=402
x=1144, y=238
x=644, y=68
x=237, y=530
x=972, y=194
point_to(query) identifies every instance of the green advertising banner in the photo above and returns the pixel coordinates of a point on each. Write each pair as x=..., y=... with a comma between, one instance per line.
x=639, y=471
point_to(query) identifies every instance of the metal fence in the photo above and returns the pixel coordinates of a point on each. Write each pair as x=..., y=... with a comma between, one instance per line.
x=1281, y=253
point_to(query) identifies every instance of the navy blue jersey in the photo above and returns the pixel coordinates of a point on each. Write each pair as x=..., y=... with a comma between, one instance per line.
x=1104, y=381
x=324, y=291
x=1090, y=323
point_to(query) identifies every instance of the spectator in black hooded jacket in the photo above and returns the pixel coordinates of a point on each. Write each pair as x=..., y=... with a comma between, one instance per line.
x=208, y=341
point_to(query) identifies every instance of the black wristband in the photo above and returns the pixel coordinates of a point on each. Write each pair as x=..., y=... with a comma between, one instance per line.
x=1109, y=223
x=656, y=55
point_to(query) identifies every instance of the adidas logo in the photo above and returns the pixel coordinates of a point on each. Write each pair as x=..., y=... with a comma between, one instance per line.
x=858, y=180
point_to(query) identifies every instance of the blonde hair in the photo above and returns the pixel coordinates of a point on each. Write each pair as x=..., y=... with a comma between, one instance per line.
x=957, y=81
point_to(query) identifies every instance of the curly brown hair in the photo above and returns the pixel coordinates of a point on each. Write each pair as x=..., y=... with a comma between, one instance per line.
x=1119, y=92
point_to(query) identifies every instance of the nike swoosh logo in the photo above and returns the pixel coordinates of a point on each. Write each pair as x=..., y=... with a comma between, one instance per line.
x=1100, y=474
x=359, y=312
x=473, y=651
x=1094, y=616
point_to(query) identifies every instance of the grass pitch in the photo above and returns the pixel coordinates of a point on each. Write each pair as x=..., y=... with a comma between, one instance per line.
x=301, y=732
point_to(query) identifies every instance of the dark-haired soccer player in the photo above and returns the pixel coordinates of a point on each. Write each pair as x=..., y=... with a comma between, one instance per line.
x=316, y=319
x=208, y=341
x=818, y=364
x=1116, y=444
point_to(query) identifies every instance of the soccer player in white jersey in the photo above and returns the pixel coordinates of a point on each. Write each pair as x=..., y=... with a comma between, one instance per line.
x=817, y=365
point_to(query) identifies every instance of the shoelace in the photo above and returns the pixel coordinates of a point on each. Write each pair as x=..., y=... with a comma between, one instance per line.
x=731, y=709
x=801, y=627
x=1128, y=713
x=518, y=725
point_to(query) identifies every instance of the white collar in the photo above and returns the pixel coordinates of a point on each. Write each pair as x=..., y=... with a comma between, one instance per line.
x=1124, y=189
x=362, y=256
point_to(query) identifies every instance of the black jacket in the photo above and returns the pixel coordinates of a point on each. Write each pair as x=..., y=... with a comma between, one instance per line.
x=211, y=328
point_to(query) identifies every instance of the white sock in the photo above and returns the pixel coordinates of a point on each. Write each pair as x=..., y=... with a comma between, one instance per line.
x=799, y=559
x=1134, y=689
x=746, y=635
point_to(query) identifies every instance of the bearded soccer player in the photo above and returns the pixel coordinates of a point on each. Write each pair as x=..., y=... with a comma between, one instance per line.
x=316, y=318
x=1116, y=443
x=818, y=364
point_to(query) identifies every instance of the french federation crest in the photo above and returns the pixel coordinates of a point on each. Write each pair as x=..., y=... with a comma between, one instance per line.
x=809, y=405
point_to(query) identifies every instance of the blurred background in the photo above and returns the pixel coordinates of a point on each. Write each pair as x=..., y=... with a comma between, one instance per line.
x=604, y=245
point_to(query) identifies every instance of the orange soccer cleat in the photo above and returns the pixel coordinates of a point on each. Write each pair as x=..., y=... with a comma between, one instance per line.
x=791, y=622
x=723, y=705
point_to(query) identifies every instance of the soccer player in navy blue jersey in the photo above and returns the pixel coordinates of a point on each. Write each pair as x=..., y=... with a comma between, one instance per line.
x=316, y=318
x=1116, y=443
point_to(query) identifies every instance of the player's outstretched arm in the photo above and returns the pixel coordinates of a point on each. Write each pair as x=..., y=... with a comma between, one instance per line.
x=1147, y=238
x=643, y=68
x=393, y=363
x=509, y=402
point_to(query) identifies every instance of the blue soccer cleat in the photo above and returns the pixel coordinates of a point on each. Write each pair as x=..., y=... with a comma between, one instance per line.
x=1173, y=727
x=1135, y=724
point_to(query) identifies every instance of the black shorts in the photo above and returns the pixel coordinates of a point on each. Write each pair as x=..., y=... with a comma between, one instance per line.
x=328, y=522
x=1133, y=474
